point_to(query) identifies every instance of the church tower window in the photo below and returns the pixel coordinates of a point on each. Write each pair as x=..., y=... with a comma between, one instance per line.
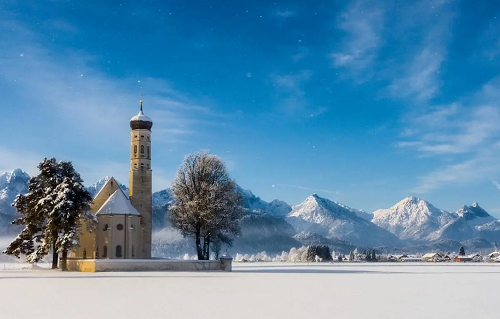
x=119, y=251
x=119, y=226
x=148, y=151
x=105, y=251
x=135, y=149
x=142, y=149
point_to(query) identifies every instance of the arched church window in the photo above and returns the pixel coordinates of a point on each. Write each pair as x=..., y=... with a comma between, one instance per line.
x=119, y=227
x=105, y=227
x=105, y=251
x=142, y=149
x=119, y=251
x=135, y=149
x=84, y=253
x=148, y=150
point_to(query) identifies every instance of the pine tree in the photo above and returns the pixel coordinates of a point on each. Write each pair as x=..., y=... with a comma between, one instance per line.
x=52, y=212
x=374, y=257
x=461, y=252
x=351, y=256
x=312, y=252
x=368, y=255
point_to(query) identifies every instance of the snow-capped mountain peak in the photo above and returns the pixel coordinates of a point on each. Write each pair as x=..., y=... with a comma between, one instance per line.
x=334, y=220
x=12, y=184
x=96, y=187
x=15, y=180
x=256, y=204
x=412, y=218
x=472, y=212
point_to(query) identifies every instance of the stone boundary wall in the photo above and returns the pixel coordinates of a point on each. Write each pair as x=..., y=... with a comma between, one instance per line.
x=103, y=265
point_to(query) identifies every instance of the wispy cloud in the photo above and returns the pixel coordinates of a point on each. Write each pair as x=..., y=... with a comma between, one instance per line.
x=285, y=13
x=67, y=84
x=496, y=183
x=89, y=104
x=290, y=92
x=363, y=22
x=465, y=135
x=418, y=77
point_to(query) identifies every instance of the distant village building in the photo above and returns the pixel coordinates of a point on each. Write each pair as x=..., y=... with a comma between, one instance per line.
x=124, y=224
x=432, y=257
x=462, y=258
x=494, y=256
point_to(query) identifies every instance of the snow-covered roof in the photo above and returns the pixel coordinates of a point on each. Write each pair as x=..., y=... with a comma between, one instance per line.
x=117, y=204
x=431, y=255
x=141, y=117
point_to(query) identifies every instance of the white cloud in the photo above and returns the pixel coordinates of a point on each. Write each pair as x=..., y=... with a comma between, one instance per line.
x=291, y=96
x=464, y=135
x=496, y=183
x=285, y=13
x=420, y=77
x=93, y=108
x=424, y=30
x=363, y=22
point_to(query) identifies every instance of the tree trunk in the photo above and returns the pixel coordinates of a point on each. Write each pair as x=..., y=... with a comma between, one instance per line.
x=64, y=260
x=198, y=245
x=55, y=256
x=206, y=248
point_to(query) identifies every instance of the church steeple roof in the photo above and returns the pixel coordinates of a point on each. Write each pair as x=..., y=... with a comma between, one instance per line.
x=141, y=121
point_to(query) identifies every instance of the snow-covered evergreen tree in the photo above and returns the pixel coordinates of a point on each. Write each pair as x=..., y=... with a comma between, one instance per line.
x=52, y=212
x=461, y=252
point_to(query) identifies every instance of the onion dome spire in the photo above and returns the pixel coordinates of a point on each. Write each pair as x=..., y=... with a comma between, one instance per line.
x=141, y=121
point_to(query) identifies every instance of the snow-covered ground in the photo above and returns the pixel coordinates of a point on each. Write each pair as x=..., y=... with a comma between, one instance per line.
x=259, y=290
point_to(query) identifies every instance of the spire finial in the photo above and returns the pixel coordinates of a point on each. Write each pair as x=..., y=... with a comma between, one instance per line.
x=141, y=101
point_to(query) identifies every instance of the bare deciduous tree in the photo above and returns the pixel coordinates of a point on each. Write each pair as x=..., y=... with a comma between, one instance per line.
x=206, y=203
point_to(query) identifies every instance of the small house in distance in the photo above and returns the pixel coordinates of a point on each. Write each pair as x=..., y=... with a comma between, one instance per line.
x=410, y=259
x=462, y=259
x=473, y=257
x=494, y=256
x=432, y=257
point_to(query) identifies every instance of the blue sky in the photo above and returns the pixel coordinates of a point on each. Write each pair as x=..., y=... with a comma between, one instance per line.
x=362, y=102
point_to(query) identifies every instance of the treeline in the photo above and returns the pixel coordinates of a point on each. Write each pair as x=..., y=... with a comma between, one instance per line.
x=313, y=253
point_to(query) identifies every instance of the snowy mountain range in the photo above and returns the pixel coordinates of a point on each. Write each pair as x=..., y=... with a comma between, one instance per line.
x=95, y=188
x=11, y=184
x=412, y=219
x=336, y=221
x=276, y=226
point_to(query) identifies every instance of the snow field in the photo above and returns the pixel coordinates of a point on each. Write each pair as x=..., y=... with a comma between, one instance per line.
x=258, y=290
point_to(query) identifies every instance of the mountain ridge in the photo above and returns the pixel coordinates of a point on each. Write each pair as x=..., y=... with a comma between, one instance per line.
x=276, y=225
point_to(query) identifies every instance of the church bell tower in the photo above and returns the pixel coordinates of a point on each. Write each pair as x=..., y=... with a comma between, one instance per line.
x=141, y=176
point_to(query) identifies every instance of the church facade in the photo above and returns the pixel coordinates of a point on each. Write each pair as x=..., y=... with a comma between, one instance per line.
x=124, y=223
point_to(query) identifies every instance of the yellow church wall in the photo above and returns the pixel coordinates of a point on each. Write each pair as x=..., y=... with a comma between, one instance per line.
x=81, y=265
x=87, y=239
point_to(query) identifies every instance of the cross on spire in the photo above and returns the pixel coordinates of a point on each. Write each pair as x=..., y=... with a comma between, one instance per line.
x=141, y=100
